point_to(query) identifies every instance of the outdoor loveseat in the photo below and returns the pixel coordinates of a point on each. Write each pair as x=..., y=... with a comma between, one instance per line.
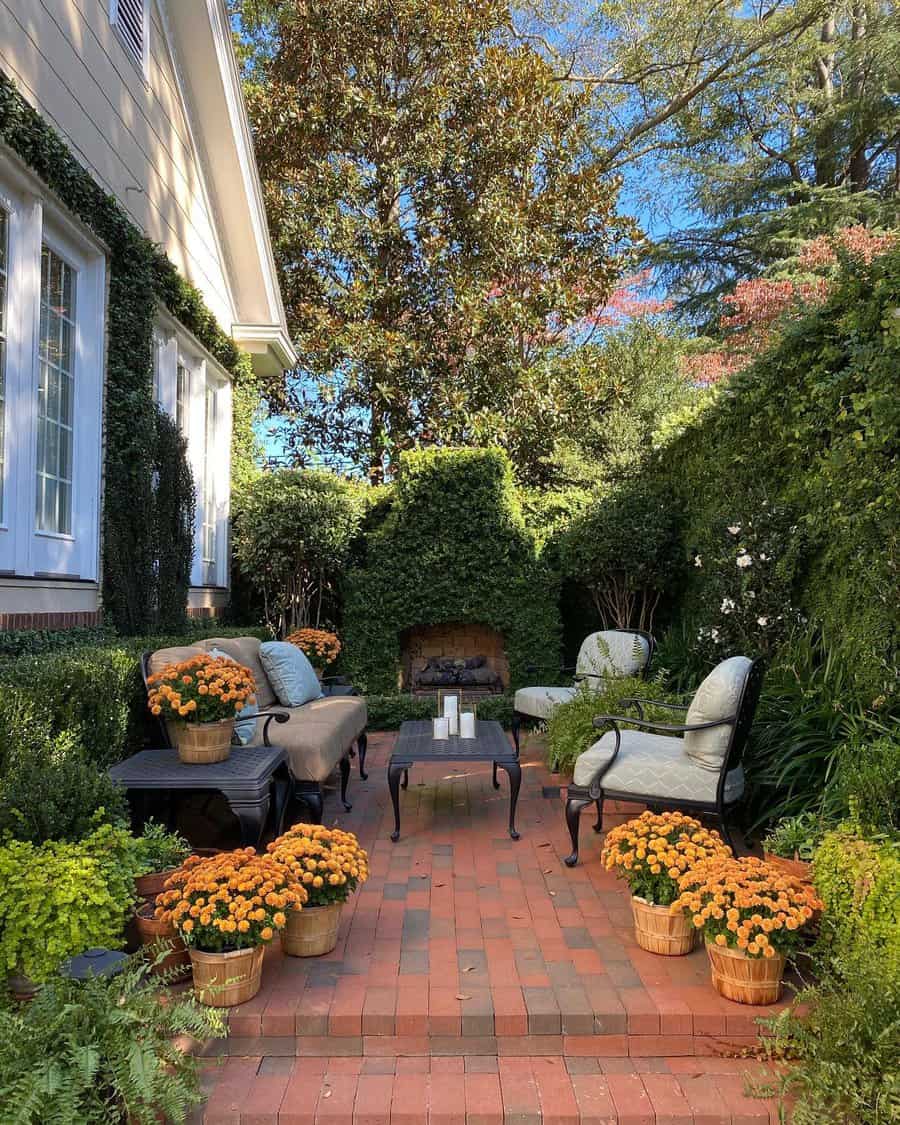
x=318, y=736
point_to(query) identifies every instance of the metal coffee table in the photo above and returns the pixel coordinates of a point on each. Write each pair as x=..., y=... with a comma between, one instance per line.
x=490, y=744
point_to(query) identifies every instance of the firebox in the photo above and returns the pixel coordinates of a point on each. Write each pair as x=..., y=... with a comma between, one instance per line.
x=468, y=657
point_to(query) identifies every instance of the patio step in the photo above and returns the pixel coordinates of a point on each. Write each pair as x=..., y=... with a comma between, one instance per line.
x=480, y=1090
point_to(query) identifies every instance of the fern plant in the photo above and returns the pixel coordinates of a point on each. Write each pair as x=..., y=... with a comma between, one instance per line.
x=102, y=1051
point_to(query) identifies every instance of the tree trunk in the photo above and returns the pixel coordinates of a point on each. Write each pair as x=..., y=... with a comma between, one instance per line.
x=824, y=74
x=858, y=169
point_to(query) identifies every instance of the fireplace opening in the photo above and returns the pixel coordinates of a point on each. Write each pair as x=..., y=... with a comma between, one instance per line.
x=453, y=656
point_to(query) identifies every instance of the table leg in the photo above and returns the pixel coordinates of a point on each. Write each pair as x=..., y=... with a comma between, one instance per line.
x=394, y=772
x=283, y=782
x=252, y=817
x=514, y=771
x=494, y=777
x=404, y=784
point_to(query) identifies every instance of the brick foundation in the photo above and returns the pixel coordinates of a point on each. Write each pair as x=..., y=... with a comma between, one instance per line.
x=13, y=621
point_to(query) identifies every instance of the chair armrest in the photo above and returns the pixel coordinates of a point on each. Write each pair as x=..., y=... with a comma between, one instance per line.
x=335, y=679
x=600, y=721
x=278, y=716
x=638, y=705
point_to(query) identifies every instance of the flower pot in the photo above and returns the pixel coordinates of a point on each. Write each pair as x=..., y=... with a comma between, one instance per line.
x=312, y=931
x=658, y=931
x=798, y=868
x=746, y=980
x=222, y=980
x=201, y=744
x=150, y=885
x=153, y=930
x=22, y=987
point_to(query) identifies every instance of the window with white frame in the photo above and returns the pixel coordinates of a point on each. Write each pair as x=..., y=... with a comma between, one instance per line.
x=130, y=19
x=52, y=318
x=195, y=390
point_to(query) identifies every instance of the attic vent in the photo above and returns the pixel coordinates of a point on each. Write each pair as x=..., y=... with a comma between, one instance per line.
x=129, y=17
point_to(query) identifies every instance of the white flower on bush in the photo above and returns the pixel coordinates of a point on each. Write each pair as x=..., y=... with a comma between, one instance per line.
x=764, y=621
x=763, y=556
x=744, y=560
x=735, y=528
x=751, y=593
x=698, y=561
x=727, y=605
x=714, y=634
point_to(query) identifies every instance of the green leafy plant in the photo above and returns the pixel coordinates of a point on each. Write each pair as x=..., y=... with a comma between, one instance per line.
x=102, y=1051
x=842, y=1037
x=866, y=783
x=157, y=849
x=570, y=728
x=795, y=837
x=58, y=899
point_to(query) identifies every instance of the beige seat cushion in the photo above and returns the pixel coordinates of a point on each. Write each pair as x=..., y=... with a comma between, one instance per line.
x=318, y=734
x=164, y=656
x=539, y=702
x=611, y=653
x=245, y=650
x=653, y=765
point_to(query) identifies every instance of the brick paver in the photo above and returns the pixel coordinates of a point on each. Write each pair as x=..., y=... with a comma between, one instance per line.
x=477, y=981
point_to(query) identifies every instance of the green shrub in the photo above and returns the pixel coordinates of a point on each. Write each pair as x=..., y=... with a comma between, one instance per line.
x=33, y=642
x=858, y=880
x=843, y=1039
x=387, y=712
x=571, y=730
x=157, y=849
x=795, y=837
x=58, y=899
x=624, y=549
x=102, y=1050
x=866, y=785
x=454, y=547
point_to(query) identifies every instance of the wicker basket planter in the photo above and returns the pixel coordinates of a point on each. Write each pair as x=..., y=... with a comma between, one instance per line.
x=201, y=744
x=312, y=931
x=797, y=868
x=658, y=931
x=22, y=987
x=222, y=980
x=153, y=930
x=746, y=980
x=150, y=885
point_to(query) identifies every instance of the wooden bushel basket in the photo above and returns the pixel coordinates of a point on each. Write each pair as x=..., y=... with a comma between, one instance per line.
x=202, y=744
x=746, y=980
x=151, y=930
x=312, y=931
x=222, y=980
x=658, y=931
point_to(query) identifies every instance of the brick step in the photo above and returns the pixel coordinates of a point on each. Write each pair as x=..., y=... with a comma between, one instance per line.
x=482, y=1090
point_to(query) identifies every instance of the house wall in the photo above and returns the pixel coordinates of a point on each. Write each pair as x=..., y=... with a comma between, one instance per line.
x=128, y=128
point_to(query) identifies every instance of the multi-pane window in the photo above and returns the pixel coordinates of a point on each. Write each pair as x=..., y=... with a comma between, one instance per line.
x=208, y=529
x=56, y=392
x=4, y=267
x=182, y=396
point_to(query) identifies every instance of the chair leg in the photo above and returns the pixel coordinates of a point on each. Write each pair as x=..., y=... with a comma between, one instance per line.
x=361, y=745
x=598, y=827
x=516, y=727
x=574, y=805
x=726, y=834
x=345, y=777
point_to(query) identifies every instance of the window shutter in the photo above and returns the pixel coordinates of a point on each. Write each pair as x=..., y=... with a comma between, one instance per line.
x=129, y=18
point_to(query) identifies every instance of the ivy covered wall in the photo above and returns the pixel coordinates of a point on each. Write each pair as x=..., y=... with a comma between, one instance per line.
x=145, y=580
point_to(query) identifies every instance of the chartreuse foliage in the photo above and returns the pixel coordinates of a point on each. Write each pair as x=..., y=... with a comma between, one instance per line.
x=453, y=548
x=60, y=898
x=144, y=573
x=102, y=1050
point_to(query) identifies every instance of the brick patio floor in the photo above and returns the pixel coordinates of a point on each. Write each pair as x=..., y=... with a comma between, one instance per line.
x=477, y=980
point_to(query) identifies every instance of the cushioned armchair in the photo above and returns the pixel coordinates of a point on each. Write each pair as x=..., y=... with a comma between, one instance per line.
x=694, y=766
x=609, y=654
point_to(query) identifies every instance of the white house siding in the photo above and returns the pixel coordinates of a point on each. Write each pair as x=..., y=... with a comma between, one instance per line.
x=129, y=130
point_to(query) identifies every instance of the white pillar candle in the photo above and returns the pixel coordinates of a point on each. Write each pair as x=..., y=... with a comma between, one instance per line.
x=453, y=720
x=440, y=728
x=467, y=725
x=451, y=706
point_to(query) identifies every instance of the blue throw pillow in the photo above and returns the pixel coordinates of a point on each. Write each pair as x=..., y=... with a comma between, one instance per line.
x=291, y=675
x=245, y=726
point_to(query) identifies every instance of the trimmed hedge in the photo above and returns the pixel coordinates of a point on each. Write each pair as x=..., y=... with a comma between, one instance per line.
x=453, y=547
x=91, y=693
x=387, y=712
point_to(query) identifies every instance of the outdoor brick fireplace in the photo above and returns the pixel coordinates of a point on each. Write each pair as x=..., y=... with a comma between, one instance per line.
x=437, y=645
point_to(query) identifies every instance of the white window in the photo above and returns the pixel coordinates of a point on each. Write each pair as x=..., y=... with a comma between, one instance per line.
x=129, y=18
x=196, y=392
x=52, y=325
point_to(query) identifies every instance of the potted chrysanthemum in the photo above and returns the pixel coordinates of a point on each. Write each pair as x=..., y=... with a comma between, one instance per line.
x=651, y=853
x=330, y=864
x=227, y=908
x=751, y=915
x=320, y=647
x=199, y=699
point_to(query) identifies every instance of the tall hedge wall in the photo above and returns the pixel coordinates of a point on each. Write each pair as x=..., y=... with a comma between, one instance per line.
x=452, y=547
x=812, y=428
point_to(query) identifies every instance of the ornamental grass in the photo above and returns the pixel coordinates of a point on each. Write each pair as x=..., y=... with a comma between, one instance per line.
x=653, y=852
x=327, y=861
x=747, y=904
x=318, y=645
x=234, y=900
x=204, y=689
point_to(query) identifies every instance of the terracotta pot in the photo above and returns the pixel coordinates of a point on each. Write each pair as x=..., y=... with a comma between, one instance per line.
x=312, y=931
x=746, y=980
x=658, y=931
x=799, y=868
x=22, y=987
x=153, y=930
x=222, y=980
x=201, y=744
x=150, y=885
